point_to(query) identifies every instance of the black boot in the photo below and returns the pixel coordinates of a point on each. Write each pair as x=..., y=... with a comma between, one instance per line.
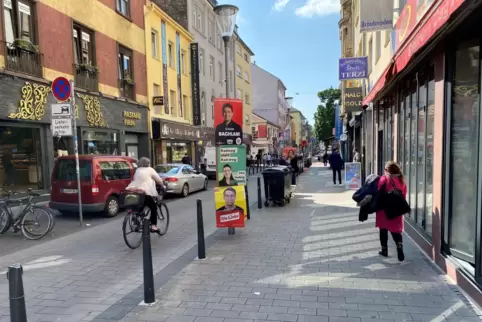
x=383, y=252
x=400, y=254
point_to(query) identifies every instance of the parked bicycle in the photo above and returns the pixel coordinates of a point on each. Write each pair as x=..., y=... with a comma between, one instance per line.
x=30, y=218
x=134, y=203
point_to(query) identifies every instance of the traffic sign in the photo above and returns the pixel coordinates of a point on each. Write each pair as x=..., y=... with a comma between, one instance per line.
x=62, y=127
x=343, y=137
x=61, y=110
x=61, y=89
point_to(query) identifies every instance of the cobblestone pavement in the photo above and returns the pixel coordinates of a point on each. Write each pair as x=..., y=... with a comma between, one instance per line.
x=309, y=261
x=79, y=276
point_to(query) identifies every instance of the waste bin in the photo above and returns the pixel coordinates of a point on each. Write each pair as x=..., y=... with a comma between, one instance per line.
x=277, y=185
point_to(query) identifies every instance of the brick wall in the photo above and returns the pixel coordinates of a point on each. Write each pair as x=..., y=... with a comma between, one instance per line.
x=177, y=9
x=106, y=56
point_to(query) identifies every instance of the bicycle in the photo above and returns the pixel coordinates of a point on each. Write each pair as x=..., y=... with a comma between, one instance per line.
x=134, y=202
x=23, y=222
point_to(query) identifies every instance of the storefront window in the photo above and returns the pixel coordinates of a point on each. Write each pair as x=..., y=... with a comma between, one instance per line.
x=413, y=152
x=102, y=143
x=20, y=158
x=177, y=150
x=422, y=104
x=464, y=152
x=401, y=135
x=406, y=150
x=429, y=154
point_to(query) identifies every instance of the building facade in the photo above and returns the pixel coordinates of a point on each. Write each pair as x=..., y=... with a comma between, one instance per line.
x=168, y=48
x=265, y=135
x=298, y=126
x=98, y=44
x=243, y=84
x=427, y=117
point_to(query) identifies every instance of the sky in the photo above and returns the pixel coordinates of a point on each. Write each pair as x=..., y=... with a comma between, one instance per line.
x=296, y=40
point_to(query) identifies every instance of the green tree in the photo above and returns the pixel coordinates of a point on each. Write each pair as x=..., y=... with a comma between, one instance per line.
x=325, y=113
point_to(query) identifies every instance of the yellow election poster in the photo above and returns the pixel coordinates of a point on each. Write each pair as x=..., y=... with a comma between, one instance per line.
x=231, y=208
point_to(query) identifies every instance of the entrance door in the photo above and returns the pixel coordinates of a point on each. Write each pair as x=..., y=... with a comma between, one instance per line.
x=132, y=151
x=380, y=153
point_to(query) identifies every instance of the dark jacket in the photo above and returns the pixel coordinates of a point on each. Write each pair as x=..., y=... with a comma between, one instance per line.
x=336, y=162
x=367, y=197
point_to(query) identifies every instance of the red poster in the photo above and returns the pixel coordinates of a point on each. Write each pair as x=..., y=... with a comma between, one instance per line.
x=406, y=22
x=262, y=131
x=229, y=218
x=228, y=121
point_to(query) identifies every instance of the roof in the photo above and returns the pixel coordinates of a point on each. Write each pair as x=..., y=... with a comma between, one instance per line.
x=238, y=38
x=265, y=120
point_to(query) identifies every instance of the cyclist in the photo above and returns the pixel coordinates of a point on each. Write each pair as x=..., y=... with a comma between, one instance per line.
x=146, y=179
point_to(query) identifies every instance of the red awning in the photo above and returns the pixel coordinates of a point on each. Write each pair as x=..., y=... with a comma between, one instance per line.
x=439, y=16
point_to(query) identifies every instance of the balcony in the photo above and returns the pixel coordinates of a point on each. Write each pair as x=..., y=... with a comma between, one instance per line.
x=23, y=57
x=86, y=77
x=127, y=88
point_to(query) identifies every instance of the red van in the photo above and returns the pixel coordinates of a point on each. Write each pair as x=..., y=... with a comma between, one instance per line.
x=102, y=177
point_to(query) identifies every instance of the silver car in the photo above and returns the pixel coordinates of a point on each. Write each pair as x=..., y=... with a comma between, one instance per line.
x=181, y=179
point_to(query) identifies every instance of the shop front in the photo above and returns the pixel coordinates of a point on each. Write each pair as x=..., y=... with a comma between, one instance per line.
x=172, y=141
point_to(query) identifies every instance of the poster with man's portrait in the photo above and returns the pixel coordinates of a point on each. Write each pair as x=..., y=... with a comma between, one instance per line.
x=231, y=208
x=231, y=165
x=228, y=121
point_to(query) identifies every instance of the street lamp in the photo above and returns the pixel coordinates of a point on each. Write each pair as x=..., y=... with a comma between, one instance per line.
x=226, y=18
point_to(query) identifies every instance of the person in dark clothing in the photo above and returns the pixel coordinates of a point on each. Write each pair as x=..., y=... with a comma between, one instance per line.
x=336, y=164
x=325, y=159
x=186, y=159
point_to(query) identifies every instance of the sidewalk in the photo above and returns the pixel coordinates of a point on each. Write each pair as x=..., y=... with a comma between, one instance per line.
x=309, y=261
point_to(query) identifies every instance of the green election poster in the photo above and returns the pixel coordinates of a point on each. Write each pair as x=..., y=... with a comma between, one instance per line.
x=231, y=165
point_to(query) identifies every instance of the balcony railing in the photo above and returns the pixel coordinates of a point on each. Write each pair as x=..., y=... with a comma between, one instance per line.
x=22, y=56
x=127, y=88
x=86, y=77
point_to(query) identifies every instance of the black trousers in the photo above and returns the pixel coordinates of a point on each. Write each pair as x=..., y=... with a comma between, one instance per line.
x=151, y=203
x=335, y=171
x=397, y=238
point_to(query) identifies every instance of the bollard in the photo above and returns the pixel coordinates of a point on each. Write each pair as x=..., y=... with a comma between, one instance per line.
x=248, y=211
x=18, y=313
x=149, y=292
x=260, y=202
x=201, y=246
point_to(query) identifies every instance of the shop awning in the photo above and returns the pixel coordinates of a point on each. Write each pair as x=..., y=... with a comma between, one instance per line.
x=438, y=16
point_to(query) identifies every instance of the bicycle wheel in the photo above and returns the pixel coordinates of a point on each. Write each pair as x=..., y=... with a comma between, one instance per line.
x=132, y=225
x=5, y=220
x=34, y=219
x=162, y=218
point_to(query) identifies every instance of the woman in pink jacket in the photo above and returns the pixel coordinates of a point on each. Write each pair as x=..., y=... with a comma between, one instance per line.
x=395, y=225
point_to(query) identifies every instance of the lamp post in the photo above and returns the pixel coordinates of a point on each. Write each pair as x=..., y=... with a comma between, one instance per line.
x=226, y=18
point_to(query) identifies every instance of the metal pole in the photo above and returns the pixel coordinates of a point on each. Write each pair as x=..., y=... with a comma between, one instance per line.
x=76, y=149
x=201, y=246
x=149, y=293
x=260, y=202
x=248, y=211
x=18, y=313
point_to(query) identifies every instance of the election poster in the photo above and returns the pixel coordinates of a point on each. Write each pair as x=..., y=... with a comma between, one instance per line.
x=231, y=165
x=228, y=121
x=231, y=208
x=353, y=175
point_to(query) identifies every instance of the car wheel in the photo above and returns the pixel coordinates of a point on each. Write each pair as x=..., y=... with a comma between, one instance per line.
x=111, y=207
x=205, y=184
x=185, y=190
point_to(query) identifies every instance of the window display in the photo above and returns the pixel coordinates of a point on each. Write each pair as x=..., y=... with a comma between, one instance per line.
x=102, y=143
x=177, y=150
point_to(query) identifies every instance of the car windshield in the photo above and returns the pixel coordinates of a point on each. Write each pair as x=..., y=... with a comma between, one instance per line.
x=167, y=169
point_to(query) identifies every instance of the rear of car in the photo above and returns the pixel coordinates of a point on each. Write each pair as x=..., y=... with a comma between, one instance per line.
x=170, y=174
x=102, y=178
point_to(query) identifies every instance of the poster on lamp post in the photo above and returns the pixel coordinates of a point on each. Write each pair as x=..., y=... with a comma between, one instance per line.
x=231, y=165
x=228, y=121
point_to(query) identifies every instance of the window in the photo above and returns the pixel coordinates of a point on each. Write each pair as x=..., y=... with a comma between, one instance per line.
x=99, y=142
x=246, y=57
x=429, y=152
x=186, y=107
x=211, y=68
x=246, y=98
x=156, y=90
x=211, y=31
x=170, y=55
x=246, y=77
x=238, y=49
x=65, y=170
x=220, y=69
x=246, y=119
x=412, y=181
x=212, y=102
x=201, y=62
x=85, y=72
x=19, y=23
x=239, y=94
x=183, y=62
x=231, y=80
x=172, y=102
x=126, y=77
x=123, y=7
x=420, y=154
x=154, y=44
x=238, y=71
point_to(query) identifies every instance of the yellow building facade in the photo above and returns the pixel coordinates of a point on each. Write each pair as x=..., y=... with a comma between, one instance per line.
x=243, y=80
x=296, y=125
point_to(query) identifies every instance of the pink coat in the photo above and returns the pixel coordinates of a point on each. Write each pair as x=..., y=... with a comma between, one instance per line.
x=395, y=225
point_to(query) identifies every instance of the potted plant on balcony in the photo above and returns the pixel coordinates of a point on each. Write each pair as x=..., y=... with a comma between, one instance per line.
x=128, y=80
x=89, y=68
x=24, y=44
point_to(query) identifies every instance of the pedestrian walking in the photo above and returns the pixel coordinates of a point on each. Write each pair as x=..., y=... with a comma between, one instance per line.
x=325, y=158
x=393, y=179
x=336, y=164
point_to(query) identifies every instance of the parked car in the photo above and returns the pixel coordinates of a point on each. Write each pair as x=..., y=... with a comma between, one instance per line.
x=181, y=178
x=102, y=178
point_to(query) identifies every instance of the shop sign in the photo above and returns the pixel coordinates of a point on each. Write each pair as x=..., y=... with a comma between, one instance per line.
x=228, y=120
x=130, y=118
x=353, y=68
x=376, y=15
x=180, y=131
x=157, y=100
x=231, y=165
x=231, y=209
x=196, y=99
x=411, y=14
x=353, y=99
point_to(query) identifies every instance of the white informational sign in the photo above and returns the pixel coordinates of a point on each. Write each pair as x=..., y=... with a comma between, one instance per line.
x=62, y=127
x=376, y=15
x=343, y=137
x=61, y=110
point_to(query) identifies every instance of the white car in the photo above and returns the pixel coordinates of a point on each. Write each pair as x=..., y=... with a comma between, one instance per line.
x=181, y=179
